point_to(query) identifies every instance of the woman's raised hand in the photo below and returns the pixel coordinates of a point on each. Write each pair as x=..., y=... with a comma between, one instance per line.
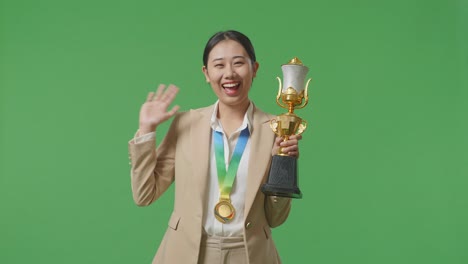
x=155, y=110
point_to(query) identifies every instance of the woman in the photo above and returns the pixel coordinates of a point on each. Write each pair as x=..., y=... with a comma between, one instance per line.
x=218, y=157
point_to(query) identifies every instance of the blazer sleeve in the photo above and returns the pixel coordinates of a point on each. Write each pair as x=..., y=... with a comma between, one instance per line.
x=152, y=170
x=277, y=210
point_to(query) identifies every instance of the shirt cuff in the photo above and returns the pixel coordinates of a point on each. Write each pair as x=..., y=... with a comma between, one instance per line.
x=143, y=138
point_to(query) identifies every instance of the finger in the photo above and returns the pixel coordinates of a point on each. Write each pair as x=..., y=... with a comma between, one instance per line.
x=278, y=140
x=159, y=91
x=290, y=148
x=174, y=110
x=289, y=143
x=150, y=96
x=170, y=94
x=172, y=89
x=298, y=137
x=293, y=154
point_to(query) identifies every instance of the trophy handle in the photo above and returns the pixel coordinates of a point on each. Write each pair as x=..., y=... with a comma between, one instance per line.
x=302, y=127
x=278, y=96
x=274, y=126
x=306, y=95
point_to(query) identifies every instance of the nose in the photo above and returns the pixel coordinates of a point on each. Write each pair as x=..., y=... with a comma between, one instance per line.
x=229, y=72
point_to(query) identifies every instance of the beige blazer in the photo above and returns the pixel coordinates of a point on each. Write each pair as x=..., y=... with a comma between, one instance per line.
x=183, y=157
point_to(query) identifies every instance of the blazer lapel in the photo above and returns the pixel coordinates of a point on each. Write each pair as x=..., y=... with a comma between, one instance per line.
x=262, y=138
x=200, y=138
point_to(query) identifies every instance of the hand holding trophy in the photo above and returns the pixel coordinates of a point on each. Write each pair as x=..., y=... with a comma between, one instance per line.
x=282, y=180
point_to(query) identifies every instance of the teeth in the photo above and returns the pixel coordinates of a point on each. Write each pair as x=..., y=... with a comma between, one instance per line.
x=230, y=85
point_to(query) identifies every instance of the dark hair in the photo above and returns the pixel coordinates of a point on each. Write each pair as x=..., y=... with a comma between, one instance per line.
x=232, y=35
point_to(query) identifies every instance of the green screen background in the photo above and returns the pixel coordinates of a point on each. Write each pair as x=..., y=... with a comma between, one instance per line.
x=383, y=164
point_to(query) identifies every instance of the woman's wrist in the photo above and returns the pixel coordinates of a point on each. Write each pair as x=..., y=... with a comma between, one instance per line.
x=145, y=130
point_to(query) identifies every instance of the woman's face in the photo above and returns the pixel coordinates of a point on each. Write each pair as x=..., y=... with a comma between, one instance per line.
x=230, y=72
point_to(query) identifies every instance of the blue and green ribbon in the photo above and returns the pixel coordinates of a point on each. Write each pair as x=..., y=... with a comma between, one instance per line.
x=226, y=177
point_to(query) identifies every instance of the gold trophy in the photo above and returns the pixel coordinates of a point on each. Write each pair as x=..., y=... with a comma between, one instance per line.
x=282, y=180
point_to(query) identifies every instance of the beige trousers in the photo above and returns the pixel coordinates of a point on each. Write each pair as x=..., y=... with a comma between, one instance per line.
x=222, y=250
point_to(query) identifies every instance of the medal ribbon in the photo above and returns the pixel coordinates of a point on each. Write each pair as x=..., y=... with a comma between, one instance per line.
x=226, y=178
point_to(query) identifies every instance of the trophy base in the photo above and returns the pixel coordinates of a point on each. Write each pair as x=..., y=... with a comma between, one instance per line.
x=271, y=190
x=282, y=180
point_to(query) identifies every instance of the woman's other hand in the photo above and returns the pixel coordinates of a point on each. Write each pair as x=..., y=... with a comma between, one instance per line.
x=289, y=147
x=155, y=110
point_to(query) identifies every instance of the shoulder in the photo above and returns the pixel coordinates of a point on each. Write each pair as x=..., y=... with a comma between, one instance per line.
x=207, y=110
x=203, y=111
x=193, y=115
x=261, y=114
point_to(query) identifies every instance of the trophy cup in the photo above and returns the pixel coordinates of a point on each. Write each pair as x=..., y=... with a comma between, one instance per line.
x=282, y=180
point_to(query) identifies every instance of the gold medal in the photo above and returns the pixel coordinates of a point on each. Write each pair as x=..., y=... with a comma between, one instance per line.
x=224, y=211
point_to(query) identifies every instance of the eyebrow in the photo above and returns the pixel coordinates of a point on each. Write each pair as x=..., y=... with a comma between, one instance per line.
x=235, y=57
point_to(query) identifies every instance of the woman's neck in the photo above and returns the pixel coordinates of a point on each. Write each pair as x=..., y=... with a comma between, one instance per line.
x=231, y=117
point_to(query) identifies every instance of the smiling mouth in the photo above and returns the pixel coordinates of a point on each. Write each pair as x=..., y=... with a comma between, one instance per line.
x=231, y=89
x=231, y=85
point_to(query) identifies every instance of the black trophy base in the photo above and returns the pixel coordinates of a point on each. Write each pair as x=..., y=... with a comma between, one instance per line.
x=282, y=180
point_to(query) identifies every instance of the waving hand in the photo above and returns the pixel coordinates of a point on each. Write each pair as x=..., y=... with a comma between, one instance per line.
x=155, y=110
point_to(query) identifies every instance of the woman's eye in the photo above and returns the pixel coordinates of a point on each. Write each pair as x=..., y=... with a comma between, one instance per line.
x=218, y=65
x=238, y=63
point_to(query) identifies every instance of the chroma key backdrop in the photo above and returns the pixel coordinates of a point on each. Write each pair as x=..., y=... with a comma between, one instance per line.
x=383, y=164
